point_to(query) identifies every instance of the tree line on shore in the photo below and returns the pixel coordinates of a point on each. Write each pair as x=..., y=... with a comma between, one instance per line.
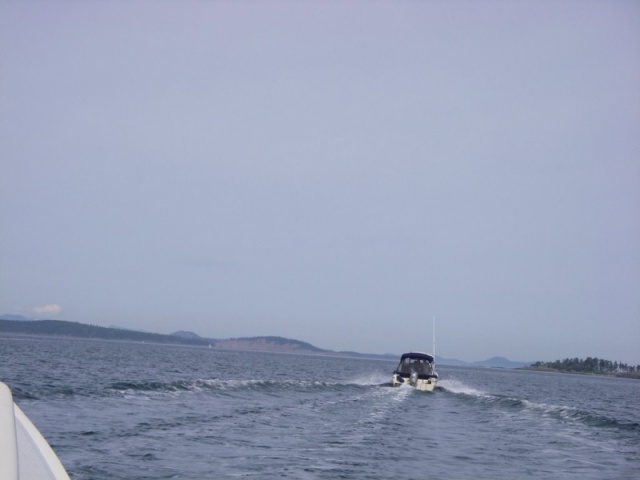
x=589, y=365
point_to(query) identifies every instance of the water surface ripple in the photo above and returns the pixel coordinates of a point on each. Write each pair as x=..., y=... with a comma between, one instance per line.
x=138, y=411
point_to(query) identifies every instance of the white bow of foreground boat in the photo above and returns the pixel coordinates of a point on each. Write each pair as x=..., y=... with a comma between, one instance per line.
x=25, y=454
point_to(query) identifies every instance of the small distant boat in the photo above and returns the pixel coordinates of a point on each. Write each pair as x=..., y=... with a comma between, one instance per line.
x=416, y=369
x=24, y=453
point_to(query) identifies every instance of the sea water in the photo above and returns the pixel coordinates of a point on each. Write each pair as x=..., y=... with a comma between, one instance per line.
x=115, y=410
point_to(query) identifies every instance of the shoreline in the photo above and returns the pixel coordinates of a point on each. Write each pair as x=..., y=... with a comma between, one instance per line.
x=634, y=375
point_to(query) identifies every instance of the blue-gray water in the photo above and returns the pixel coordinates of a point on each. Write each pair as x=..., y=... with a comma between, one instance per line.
x=138, y=411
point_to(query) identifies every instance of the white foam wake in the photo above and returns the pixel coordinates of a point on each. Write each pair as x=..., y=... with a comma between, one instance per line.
x=372, y=379
x=456, y=386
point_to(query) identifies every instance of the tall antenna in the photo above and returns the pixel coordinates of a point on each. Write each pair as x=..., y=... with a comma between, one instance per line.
x=434, y=338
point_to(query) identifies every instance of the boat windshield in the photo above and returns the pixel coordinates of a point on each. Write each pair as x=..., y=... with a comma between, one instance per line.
x=409, y=365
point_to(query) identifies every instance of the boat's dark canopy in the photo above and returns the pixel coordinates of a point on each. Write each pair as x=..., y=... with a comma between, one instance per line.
x=416, y=363
x=417, y=355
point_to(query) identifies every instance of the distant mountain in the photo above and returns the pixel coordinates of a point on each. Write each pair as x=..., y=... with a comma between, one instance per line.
x=500, y=362
x=493, y=362
x=22, y=325
x=377, y=356
x=185, y=334
x=81, y=330
x=269, y=344
x=15, y=318
x=451, y=361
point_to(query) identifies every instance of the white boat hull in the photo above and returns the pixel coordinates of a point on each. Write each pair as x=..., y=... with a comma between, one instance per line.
x=424, y=385
x=24, y=453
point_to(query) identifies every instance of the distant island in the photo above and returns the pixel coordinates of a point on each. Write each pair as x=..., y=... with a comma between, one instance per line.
x=17, y=324
x=589, y=365
x=80, y=330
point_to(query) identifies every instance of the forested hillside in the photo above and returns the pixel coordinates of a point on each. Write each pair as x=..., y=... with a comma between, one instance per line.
x=588, y=365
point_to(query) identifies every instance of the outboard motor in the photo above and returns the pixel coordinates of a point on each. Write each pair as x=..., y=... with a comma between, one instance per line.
x=414, y=378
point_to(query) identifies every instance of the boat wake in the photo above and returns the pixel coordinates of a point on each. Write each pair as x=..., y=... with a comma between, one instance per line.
x=456, y=386
x=224, y=385
x=561, y=413
x=572, y=414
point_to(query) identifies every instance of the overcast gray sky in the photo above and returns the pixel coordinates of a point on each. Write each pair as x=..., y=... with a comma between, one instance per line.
x=337, y=172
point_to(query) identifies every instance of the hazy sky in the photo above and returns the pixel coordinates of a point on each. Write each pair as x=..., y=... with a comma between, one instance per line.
x=338, y=172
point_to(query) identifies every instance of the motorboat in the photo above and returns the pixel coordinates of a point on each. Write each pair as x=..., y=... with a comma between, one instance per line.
x=417, y=370
x=24, y=453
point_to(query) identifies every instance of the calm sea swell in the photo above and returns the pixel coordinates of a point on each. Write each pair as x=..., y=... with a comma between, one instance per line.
x=139, y=411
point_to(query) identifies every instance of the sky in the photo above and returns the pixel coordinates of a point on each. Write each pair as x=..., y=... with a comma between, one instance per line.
x=337, y=172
